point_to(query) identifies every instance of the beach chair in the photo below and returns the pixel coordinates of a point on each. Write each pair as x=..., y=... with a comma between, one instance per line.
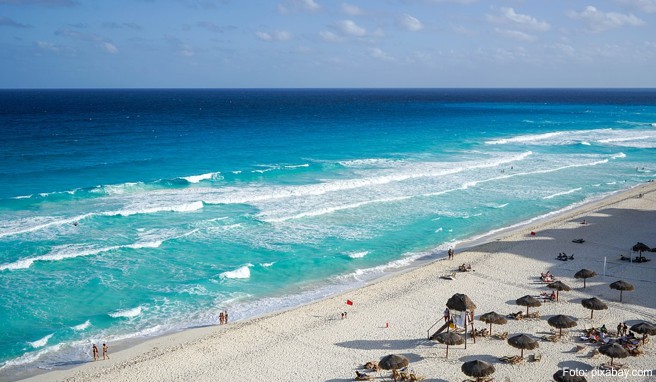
x=537, y=357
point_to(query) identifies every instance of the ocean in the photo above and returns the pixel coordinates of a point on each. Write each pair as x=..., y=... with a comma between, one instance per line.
x=126, y=214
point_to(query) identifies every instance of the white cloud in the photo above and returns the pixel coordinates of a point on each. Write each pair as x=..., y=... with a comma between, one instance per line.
x=50, y=47
x=515, y=34
x=109, y=47
x=599, y=21
x=330, y=36
x=379, y=54
x=518, y=20
x=411, y=23
x=648, y=6
x=349, y=27
x=352, y=10
x=274, y=36
x=298, y=5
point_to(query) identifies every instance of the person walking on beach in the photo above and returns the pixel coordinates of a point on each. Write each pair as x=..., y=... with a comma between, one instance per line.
x=446, y=314
x=105, y=348
x=450, y=252
x=95, y=352
x=221, y=318
x=225, y=317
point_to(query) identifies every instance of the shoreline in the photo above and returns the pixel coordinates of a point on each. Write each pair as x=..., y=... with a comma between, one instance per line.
x=148, y=352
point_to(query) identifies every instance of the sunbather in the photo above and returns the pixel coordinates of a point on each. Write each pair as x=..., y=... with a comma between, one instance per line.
x=362, y=376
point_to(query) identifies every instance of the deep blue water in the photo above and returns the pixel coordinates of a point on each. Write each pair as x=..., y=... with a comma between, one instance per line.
x=130, y=213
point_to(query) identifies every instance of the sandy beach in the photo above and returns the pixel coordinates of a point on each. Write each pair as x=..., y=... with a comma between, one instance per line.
x=395, y=314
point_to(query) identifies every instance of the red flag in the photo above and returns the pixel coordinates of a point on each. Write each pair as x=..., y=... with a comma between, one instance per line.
x=349, y=302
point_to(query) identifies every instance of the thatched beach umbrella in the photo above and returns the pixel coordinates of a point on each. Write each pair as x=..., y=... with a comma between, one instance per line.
x=593, y=304
x=562, y=376
x=393, y=361
x=460, y=302
x=558, y=286
x=613, y=350
x=528, y=301
x=584, y=274
x=641, y=247
x=644, y=328
x=449, y=338
x=561, y=321
x=522, y=341
x=621, y=286
x=477, y=369
x=493, y=318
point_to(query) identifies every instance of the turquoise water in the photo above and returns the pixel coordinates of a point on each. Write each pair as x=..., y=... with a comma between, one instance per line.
x=133, y=213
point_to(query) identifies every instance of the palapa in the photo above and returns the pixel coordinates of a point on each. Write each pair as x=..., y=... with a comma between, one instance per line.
x=561, y=321
x=528, y=301
x=477, y=369
x=522, y=341
x=460, y=302
x=644, y=328
x=449, y=338
x=393, y=361
x=621, y=286
x=584, y=274
x=593, y=304
x=493, y=318
x=641, y=247
x=559, y=286
x=613, y=350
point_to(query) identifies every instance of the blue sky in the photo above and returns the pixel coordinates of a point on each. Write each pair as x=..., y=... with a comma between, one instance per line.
x=321, y=43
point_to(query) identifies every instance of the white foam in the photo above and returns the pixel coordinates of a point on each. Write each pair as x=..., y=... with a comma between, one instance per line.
x=72, y=251
x=267, y=265
x=414, y=171
x=85, y=325
x=357, y=255
x=298, y=165
x=127, y=313
x=119, y=189
x=42, y=342
x=184, y=207
x=531, y=138
x=243, y=272
x=199, y=178
x=562, y=193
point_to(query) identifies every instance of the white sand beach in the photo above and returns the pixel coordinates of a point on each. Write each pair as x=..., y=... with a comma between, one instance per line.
x=313, y=343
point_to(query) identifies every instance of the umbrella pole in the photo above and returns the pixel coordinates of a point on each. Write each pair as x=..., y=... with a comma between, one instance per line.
x=591, y=313
x=447, y=351
x=466, y=330
x=557, y=294
x=620, y=296
x=490, y=328
x=472, y=326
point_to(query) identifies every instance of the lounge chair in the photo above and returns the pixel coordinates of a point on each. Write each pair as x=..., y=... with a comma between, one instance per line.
x=579, y=241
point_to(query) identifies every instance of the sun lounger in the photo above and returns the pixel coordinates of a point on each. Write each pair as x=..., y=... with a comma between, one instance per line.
x=579, y=241
x=513, y=360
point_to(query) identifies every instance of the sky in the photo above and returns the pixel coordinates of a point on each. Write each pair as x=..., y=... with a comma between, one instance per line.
x=327, y=44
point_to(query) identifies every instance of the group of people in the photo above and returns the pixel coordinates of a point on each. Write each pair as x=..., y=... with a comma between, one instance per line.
x=622, y=329
x=464, y=267
x=547, y=277
x=344, y=315
x=96, y=355
x=563, y=256
x=223, y=317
